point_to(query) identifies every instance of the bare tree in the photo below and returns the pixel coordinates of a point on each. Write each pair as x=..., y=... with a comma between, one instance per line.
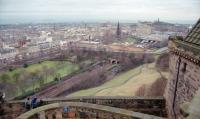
x=34, y=76
x=23, y=77
x=45, y=71
x=163, y=61
x=16, y=76
x=41, y=80
x=5, y=78
x=58, y=77
x=157, y=88
x=141, y=91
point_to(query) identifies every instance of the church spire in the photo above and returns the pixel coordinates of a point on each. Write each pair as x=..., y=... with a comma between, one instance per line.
x=118, y=30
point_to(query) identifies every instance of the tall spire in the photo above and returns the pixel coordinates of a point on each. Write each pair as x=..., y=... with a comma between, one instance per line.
x=118, y=30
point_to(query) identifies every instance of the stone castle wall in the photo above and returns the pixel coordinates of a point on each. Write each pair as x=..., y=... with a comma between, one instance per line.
x=188, y=82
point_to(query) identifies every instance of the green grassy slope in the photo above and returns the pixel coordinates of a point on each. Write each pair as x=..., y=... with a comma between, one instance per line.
x=125, y=84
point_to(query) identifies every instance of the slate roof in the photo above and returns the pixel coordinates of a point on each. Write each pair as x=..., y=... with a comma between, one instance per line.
x=191, y=43
x=194, y=35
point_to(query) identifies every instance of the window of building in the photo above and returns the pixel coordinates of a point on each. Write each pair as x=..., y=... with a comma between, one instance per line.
x=184, y=67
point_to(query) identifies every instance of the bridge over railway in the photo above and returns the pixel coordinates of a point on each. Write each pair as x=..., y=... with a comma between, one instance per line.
x=102, y=107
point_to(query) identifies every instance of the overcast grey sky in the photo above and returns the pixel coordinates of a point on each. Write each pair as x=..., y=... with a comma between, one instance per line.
x=19, y=11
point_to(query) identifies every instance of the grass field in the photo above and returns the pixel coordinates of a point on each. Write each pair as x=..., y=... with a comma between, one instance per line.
x=125, y=84
x=126, y=40
x=36, y=75
x=63, y=68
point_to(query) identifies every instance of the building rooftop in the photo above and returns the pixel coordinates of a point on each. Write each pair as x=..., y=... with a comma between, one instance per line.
x=194, y=35
x=191, y=43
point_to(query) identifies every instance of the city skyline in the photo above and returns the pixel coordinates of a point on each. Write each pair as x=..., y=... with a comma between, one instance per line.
x=23, y=11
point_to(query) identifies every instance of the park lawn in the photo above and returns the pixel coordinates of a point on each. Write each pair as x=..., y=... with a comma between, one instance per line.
x=63, y=68
x=125, y=84
x=32, y=67
x=66, y=70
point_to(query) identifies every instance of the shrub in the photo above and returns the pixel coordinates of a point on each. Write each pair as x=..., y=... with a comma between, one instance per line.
x=163, y=62
x=25, y=65
x=11, y=69
x=155, y=89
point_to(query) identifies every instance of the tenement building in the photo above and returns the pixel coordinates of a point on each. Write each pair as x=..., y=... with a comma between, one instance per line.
x=183, y=89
